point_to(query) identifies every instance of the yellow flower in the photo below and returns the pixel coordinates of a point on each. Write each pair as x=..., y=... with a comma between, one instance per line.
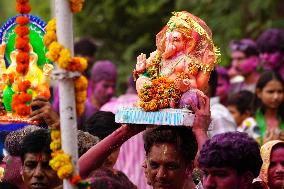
x=81, y=96
x=64, y=58
x=54, y=51
x=81, y=83
x=49, y=37
x=59, y=161
x=65, y=171
x=84, y=64
x=80, y=108
x=51, y=25
x=55, y=145
x=55, y=134
x=56, y=153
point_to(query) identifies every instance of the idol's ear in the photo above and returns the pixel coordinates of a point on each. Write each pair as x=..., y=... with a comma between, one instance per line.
x=192, y=42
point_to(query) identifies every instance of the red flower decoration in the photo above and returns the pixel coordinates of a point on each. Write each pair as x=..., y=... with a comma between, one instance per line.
x=24, y=86
x=23, y=8
x=22, y=30
x=75, y=179
x=22, y=20
x=21, y=68
x=22, y=43
x=22, y=57
x=23, y=110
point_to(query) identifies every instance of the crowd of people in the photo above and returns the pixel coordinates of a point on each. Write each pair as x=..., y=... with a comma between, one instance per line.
x=236, y=140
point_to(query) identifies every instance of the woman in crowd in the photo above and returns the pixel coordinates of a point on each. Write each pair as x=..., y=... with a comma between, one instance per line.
x=272, y=170
x=269, y=106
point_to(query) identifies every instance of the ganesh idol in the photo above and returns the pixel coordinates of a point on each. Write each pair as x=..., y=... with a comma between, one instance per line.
x=180, y=67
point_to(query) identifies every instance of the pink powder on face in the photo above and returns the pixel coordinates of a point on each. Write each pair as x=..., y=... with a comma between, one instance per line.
x=249, y=65
x=272, y=60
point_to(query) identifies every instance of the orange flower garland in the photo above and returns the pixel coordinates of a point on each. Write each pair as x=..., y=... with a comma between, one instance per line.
x=57, y=53
x=22, y=39
x=21, y=101
x=156, y=95
x=76, y=5
x=60, y=161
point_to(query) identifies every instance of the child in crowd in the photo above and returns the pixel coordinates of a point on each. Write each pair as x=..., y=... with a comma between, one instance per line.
x=239, y=106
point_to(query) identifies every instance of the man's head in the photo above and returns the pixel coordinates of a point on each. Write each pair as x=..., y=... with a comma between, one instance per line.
x=35, y=156
x=85, y=142
x=169, y=156
x=230, y=161
x=101, y=124
x=271, y=47
x=103, y=81
x=240, y=51
x=105, y=178
x=239, y=106
x=223, y=83
x=13, y=146
x=86, y=48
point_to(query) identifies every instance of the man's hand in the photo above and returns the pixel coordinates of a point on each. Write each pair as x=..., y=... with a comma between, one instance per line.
x=44, y=112
x=202, y=113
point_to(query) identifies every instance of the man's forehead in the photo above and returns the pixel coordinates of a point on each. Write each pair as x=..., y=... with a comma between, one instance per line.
x=163, y=151
x=37, y=157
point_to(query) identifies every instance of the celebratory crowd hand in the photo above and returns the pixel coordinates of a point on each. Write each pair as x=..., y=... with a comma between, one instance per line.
x=42, y=110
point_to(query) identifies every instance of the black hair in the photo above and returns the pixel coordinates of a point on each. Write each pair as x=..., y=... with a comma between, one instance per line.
x=85, y=46
x=7, y=185
x=232, y=149
x=242, y=100
x=36, y=142
x=182, y=137
x=101, y=124
x=213, y=83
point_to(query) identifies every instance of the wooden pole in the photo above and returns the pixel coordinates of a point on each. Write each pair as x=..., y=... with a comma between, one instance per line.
x=68, y=120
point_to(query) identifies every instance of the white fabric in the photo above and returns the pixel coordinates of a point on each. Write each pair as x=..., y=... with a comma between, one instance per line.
x=222, y=120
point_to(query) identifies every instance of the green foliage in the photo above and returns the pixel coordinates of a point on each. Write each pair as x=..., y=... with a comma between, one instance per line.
x=124, y=28
x=39, y=8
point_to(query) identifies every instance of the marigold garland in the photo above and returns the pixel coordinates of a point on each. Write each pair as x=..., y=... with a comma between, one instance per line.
x=60, y=161
x=156, y=95
x=76, y=5
x=57, y=53
x=22, y=39
x=21, y=100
